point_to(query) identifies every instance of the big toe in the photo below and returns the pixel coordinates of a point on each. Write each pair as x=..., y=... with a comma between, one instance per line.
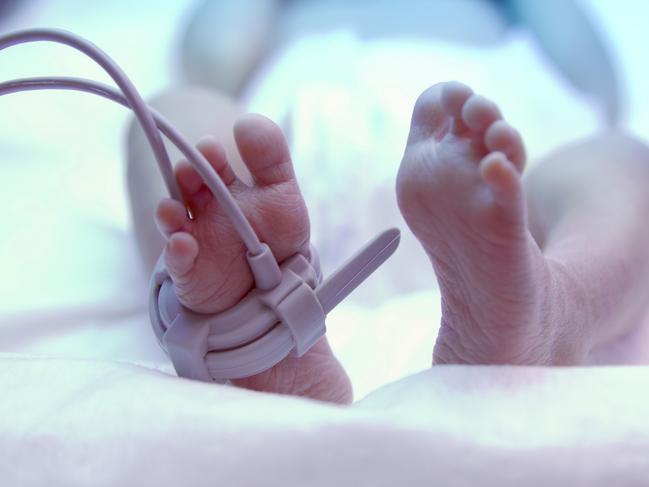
x=434, y=109
x=453, y=96
x=283, y=221
x=264, y=150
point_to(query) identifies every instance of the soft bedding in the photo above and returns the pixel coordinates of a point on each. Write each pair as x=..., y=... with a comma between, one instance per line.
x=96, y=423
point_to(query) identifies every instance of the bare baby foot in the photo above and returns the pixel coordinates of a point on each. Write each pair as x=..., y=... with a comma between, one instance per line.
x=459, y=189
x=206, y=259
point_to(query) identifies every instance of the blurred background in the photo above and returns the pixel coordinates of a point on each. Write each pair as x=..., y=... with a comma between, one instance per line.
x=341, y=78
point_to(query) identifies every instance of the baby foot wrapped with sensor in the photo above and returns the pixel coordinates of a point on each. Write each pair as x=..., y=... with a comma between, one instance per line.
x=209, y=267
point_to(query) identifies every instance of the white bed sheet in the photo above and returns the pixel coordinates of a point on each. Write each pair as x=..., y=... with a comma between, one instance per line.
x=96, y=423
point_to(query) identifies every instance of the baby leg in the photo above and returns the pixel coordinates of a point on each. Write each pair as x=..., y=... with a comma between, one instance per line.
x=588, y=206
x=543, y=282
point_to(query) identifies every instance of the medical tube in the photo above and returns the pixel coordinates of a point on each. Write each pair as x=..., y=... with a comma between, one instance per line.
x=263, y=265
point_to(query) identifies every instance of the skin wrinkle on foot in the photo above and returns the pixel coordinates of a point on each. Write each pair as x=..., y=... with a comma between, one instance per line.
x=472, y=325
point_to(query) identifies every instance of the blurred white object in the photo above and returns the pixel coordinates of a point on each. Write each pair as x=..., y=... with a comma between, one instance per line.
x=568, y=36
x=227, y=41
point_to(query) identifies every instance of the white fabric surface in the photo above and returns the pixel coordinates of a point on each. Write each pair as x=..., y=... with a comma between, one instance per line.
x=106, y=424
x=72, y=289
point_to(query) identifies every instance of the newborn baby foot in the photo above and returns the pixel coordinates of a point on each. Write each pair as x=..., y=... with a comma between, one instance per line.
x=206, y=259
x=459, y=189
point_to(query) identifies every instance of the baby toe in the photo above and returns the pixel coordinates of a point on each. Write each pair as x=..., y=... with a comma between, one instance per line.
x=264, y=150
x=195, y=193
x=180, y=254
x=188, y=179
x=478, y=113
x=502, y=137
x=171, y=216
x=502, y=177
x=454, y=96
x=215, y=155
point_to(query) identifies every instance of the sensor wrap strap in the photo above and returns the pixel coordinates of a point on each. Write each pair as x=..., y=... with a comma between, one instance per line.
x=252, y=336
